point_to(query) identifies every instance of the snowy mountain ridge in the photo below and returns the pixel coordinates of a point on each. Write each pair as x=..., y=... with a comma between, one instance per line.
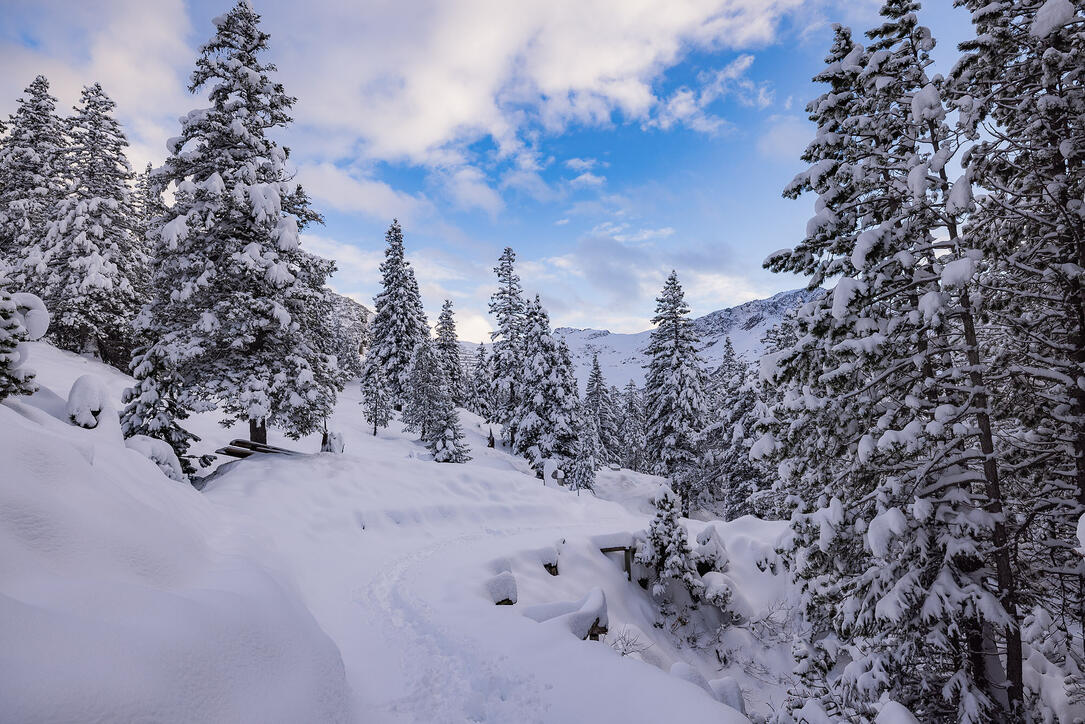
x=622, y=356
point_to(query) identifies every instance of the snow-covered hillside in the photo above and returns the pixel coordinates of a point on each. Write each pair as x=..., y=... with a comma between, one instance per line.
x=622, y=358
x=353, y=587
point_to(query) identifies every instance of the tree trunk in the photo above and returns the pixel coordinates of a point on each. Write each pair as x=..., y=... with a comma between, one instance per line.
x=258, y=431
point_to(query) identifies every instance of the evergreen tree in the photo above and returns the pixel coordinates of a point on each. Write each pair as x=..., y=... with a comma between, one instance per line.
x=448, y=349
x=429, y=409
x=599, y=404
x=673, y=395
x=376, y=402
x=22, y=318
x=239, y=309
x=582, y=469
x=632, y=430
x=32, y=181
x=732, y=480
x=424, y=387
x=667, y=552
x=446, y=440
x=97, y=264
x=399, y=322
x=1022, y=76
x=480, y=385
x=882, y=429
x=545, y=419
x=157, y=404
x=507, y=360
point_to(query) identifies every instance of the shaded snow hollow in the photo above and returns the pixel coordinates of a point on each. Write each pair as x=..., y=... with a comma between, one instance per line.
x=353, y=587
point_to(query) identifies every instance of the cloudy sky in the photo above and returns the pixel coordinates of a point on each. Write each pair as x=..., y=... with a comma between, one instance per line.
x=607, y=141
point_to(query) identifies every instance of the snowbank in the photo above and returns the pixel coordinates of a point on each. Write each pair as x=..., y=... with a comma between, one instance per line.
x=114, y=607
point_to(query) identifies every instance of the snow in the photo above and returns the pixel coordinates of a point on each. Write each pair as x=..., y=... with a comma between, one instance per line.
x=958, y=272
x=86, y=400
x=1051, y=16
x=502, y=587
x=927, y=105
x=332, y=587
x=893, y=712
x=160, y=453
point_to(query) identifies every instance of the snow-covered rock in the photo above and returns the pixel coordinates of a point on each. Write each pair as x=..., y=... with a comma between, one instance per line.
x=86, y=400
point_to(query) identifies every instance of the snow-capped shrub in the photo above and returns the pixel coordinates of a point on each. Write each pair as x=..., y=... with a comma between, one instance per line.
x=160, y=453
x=86, y=401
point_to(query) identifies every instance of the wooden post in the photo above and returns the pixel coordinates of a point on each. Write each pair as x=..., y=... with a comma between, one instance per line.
x=629, y=563
x=258, y=431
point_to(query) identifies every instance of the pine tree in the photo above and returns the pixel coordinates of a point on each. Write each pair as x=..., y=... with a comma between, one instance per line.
x=448, y=349
x=1022, y=76
x=545, y=419
x=446, y=440
x=582, y=469
x=507, y=306
x=398, y=323
x=33, y=181
x=156, y=405
x=480, y=385
x=239, y=308
x=882, y=427
x=22, y=318
x=600, y=406
x=429, y=409
x=732, y=479
x=674, y=395
x=667, y=552
x=631, y=431
x=97, y=264
x=376, y=402
x=424, y=387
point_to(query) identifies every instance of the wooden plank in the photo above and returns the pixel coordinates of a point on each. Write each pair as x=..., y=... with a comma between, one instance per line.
x=236, y=452
x=260, y=447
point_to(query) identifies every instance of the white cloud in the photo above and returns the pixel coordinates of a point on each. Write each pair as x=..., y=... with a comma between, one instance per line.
x=343, y=191
x=588, y=179
x=583, y=164
x=689, y=107
x=468, y=189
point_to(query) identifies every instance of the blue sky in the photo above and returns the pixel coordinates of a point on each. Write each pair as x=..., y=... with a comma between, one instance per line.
x=607, y=141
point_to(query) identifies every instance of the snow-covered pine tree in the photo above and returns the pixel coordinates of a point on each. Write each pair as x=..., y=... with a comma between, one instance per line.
x=673, y=393
x=399, y=322
x=481, y=383
x=545, y=418
x=33, y=182
x=237, y=306
x=507, y=358
x=600, y=405
x=731, y=478
x=97, y=265
x=882, y=428
x=631, y=431
x=424, y=386
x=446, y=440
x=429, y=409
x=1023, y=77
x=15, y=329
x=448, y=350
x=667, y=552
x=581, y=474
x=157, y=404
x=376, y=402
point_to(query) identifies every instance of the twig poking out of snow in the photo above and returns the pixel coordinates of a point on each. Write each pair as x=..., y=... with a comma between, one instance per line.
x=502, y=588
x=627, y=641
x=86, y=400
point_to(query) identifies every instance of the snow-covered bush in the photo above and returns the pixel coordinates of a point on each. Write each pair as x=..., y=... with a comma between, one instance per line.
x=87, y=399
x=23, y=318
x=160, y=453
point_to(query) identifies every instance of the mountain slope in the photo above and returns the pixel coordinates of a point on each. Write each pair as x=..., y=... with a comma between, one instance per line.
x=622, y=356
